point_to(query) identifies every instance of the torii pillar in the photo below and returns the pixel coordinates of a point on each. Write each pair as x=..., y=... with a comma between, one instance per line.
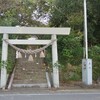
x=4, y=62
x=55, y=60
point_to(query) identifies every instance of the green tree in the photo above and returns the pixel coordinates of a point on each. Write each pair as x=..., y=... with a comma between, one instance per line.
x=93, y=21
x=69, y=13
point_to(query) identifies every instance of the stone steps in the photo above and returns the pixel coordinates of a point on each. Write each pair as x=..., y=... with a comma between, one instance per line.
x=41, y=85
x=29, y=74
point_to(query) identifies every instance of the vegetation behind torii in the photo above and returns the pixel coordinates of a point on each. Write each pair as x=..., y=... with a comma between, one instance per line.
x=59, y=13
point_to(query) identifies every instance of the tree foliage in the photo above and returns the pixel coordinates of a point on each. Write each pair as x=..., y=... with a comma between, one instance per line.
x=70, y=13
x=94, y=21
x=23, y=12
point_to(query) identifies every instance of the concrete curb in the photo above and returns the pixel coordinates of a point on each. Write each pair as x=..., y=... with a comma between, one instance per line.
x=77, y=91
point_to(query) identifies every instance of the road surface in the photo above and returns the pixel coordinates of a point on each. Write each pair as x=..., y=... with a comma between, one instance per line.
x=51, y=96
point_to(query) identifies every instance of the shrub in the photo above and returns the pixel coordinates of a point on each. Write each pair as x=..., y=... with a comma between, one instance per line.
x=70, y=72
x=11, y=60
x=94, y=53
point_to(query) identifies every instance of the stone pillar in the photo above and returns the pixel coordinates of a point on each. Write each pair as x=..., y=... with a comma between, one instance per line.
x=55, y=60
x=3, y=61
x=87, y=71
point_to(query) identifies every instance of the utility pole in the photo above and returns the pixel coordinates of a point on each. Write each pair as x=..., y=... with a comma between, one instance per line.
x=85, y=30
x=86, y=63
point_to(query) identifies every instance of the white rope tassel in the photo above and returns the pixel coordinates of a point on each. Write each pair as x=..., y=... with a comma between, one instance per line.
x=35, y=55
x=30, y=58
x=25, y=55
x=42, y=55
x=19, y=55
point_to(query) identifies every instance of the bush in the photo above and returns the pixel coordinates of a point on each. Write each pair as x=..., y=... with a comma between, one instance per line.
x=11, y=60
x=70, y=48
x=70, y=72
x=94, y=53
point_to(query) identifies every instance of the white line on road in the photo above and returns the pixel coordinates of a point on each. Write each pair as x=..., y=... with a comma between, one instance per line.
x=46, y=94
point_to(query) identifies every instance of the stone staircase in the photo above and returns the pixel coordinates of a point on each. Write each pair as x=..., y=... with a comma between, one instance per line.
x=29, y=73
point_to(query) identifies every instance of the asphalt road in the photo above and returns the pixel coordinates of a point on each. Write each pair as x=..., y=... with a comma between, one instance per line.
x=51, y=96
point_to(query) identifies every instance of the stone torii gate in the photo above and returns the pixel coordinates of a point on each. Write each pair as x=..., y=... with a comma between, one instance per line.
x=31, y=30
